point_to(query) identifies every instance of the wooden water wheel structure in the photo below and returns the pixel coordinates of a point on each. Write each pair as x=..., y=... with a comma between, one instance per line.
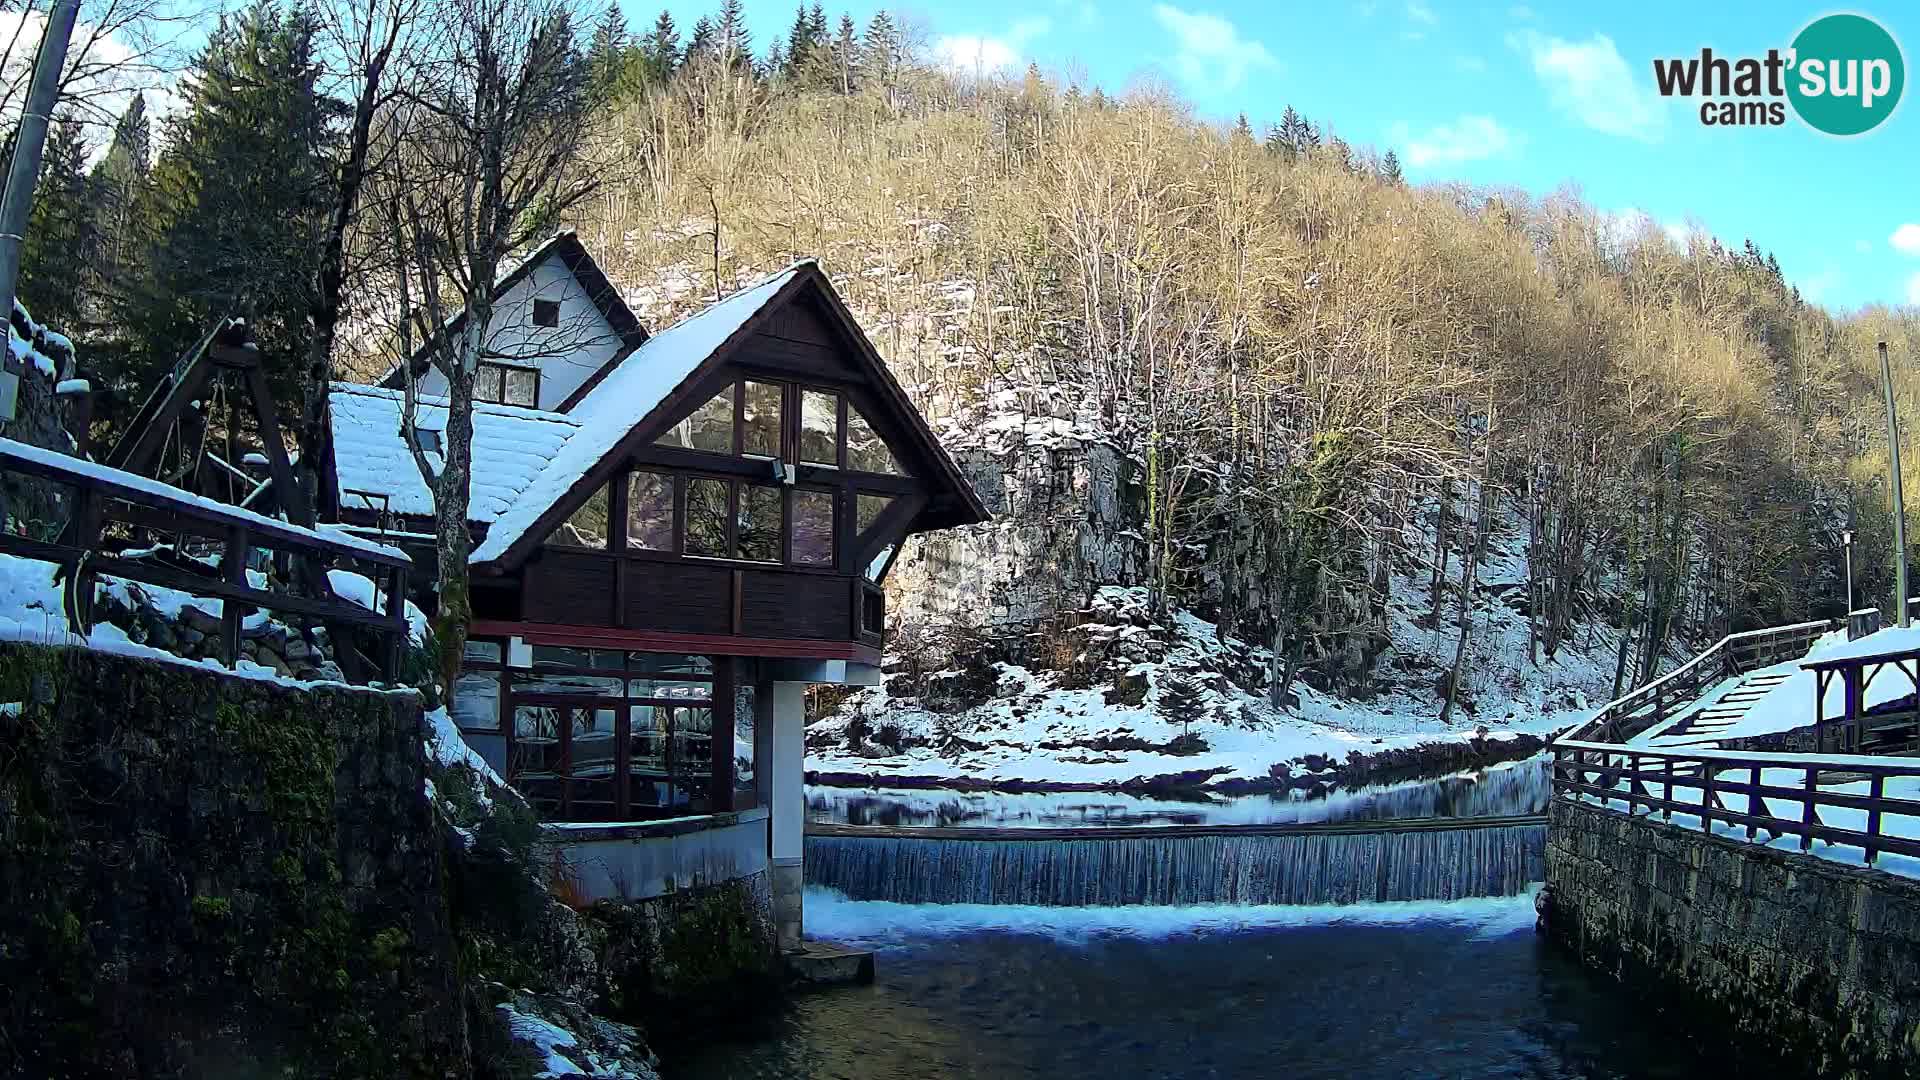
x=208, y=422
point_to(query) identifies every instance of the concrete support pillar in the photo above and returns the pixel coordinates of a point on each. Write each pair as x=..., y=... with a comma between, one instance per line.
x=785, y=712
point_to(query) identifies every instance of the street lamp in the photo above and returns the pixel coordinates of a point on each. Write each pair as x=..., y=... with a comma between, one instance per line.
x=1846, y=544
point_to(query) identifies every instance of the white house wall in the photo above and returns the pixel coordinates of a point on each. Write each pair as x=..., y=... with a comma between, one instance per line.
x=566, y=354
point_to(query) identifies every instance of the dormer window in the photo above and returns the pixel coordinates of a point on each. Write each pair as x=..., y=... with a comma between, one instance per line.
x=750, y=418
x=546, y=313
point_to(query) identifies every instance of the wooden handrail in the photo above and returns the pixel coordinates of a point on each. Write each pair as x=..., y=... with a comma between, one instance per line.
x=1616, y=719
x=1647, y=778
x=103, y=494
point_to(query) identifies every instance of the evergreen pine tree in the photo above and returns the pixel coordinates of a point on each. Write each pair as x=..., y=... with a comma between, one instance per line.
x=1291, y=140
x=238, y=195
x=660, y=51
x=607, y=52
x=730, y=34
x=59, y=241
x=119, y=182
x=1181, y=703
x=846, y=55
x=881, y=48
x=1242, y=129
x=800, y=42
x=1390, y=168
x=776, y=58
x=701, y=42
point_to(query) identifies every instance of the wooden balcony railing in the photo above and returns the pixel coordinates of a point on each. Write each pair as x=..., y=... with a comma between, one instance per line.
x=105, y=507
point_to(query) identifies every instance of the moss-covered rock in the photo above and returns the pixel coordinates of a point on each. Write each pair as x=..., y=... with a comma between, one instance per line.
x=210, y=875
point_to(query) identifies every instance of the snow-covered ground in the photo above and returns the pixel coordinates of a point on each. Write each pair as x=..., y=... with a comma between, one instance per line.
x=1037, y=731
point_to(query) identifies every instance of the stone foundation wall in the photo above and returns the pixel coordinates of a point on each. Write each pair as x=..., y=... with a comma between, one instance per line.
x=1803, y=959
x=203, y=875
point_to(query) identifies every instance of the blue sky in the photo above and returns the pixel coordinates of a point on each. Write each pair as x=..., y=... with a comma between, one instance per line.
x=1536, y=96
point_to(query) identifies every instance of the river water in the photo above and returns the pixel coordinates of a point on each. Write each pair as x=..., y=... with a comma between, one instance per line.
x=1462, y=989
x=1519, y=787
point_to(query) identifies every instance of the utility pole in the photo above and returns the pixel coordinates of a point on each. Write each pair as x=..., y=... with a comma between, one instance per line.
x=23, y=172
x=1899, y=503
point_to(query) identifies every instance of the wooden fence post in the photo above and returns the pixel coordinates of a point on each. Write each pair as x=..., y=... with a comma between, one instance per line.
x=234, y=569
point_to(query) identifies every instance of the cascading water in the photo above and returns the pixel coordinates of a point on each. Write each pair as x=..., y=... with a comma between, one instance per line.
x=1223, y=867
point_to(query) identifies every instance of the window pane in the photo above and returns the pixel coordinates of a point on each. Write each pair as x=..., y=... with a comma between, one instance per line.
x=707, y=517
x=587, y=528
x=561, y=656
x=878, y=567
x=593, y=743
x=709, y=428
x=486, y=382
x=760, y=422
x=743, y=719
x=669, y=663
x=543, y=682
x=482, y=650
x=669, y=689
x=476, y=701
x=866, y=451
x=759, y=536
x=520, y=384
x=813, y=528
x=869, y=509
x=650, y=511
x=819, y=428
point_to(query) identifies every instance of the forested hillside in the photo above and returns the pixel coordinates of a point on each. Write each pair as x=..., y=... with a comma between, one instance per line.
x=1244, y=366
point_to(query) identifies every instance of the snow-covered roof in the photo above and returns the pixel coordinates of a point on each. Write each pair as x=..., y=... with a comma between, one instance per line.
x=631, y=390
x=511, y=446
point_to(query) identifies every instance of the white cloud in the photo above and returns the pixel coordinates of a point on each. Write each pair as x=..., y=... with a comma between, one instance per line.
x=1618, y=227
x=1592, y=81
x=1421, y=13
x=1913, y=289
x=103, y=73
x=1469, y=138
x=1211, y=54
x=1906, y=239
x=980, y=55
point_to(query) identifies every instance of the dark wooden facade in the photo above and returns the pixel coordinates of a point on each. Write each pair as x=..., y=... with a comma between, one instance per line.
x=803, y=347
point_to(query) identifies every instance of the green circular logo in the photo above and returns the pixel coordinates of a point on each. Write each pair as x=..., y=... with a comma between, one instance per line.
x=1847, y=74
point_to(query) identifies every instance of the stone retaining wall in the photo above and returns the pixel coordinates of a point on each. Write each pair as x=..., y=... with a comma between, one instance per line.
x=1804, y=959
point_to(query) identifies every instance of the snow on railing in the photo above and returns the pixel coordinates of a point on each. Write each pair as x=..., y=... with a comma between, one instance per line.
x=100, y=495
x=1871, y=803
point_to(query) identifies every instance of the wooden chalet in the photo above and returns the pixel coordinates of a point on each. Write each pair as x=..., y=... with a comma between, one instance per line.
x=674, y=534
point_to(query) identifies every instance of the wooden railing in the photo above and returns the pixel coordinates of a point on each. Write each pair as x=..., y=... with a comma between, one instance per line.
x=1654, y=702
x=1748, y=790
x=99, y=498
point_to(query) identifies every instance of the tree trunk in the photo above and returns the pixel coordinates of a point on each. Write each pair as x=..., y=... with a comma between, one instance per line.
x=329, y=291
x=1469, y=575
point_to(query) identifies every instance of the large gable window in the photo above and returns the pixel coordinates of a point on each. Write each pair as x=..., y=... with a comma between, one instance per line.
x=820, y=428
x=710, y=427
x=866, y=450
x=759, y=529
x=760, y=419
x=587, y=526
x=707, y=532
x=813, y=528
x=650, y=511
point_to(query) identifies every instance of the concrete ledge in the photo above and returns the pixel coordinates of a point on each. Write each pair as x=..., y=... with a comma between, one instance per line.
x=578, y=832
x=634, y=860
x=823, y=963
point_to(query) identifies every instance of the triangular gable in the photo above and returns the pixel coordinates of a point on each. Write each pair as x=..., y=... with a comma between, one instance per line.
x=653, y=383
x=594, y=285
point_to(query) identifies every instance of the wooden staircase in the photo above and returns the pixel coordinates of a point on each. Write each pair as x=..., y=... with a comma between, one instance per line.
x=1726, y=711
